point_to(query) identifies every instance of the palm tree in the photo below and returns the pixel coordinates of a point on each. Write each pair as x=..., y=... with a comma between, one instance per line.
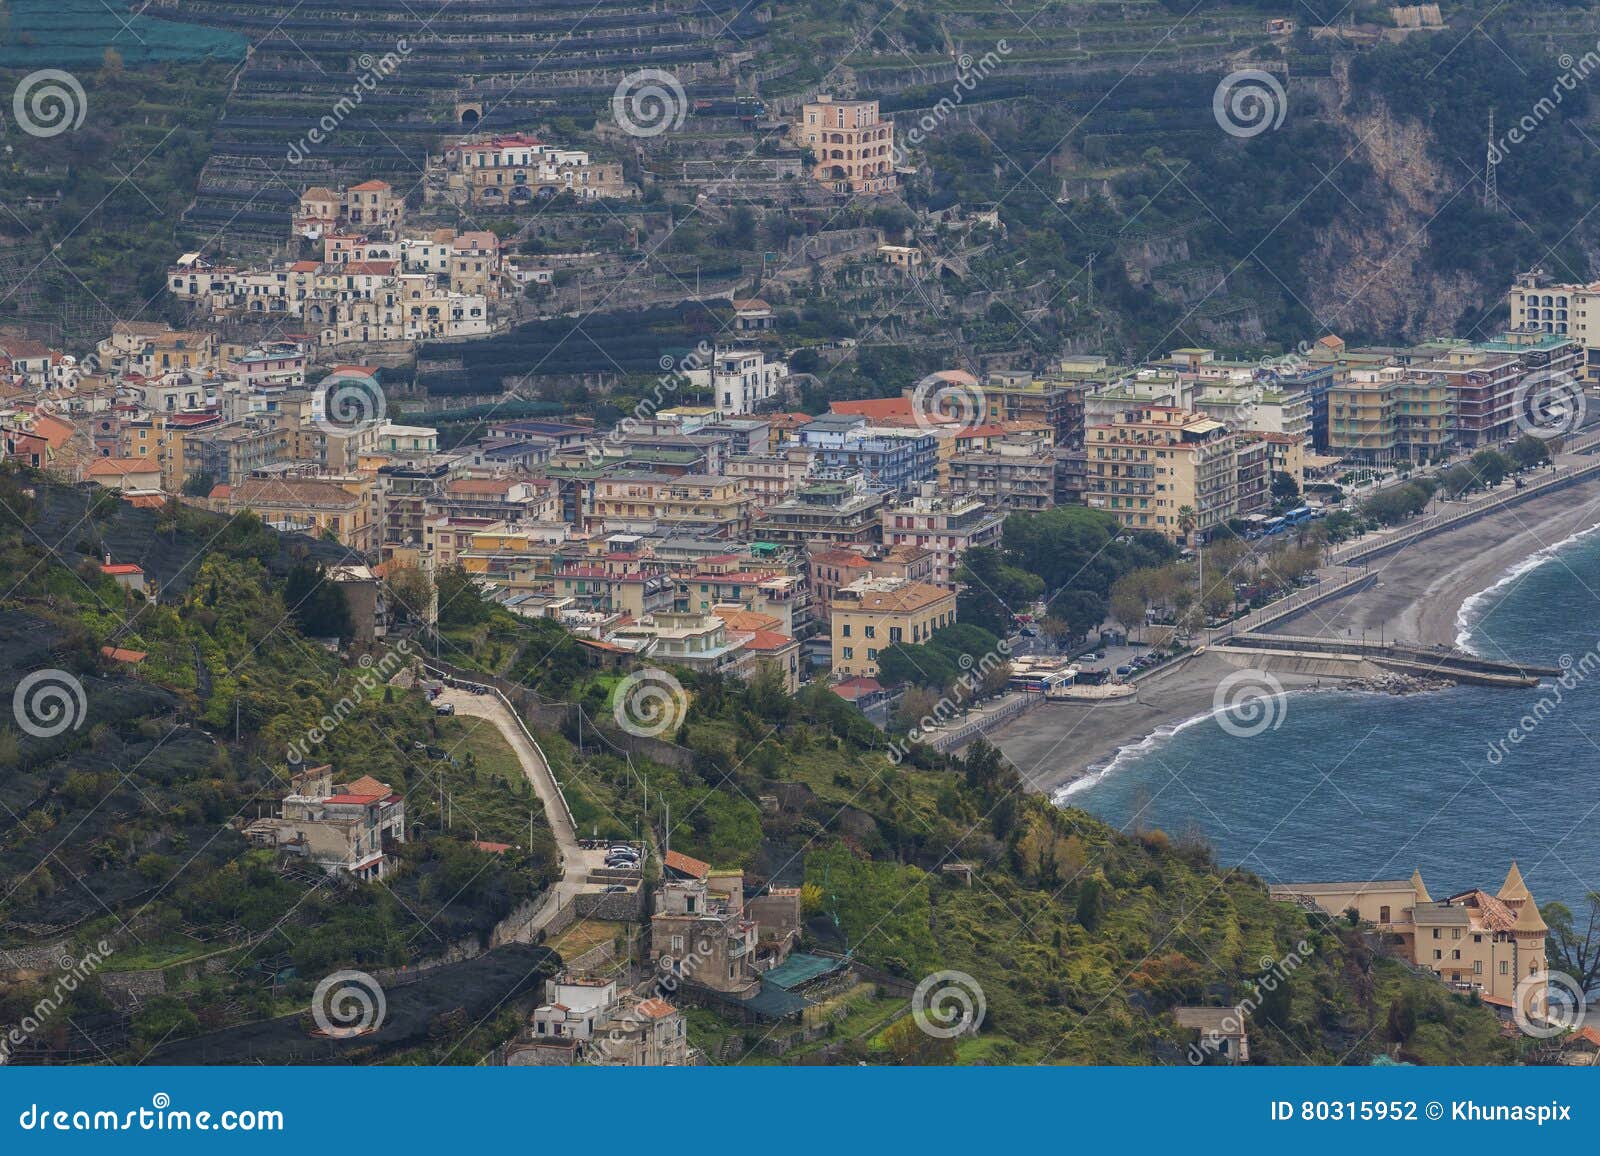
x=1187, y=522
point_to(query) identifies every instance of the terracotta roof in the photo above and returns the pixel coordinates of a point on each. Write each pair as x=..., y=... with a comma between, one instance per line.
x=877, y=408
x=479, y=486
x=367, y=785
x=738, y=618
x=769, y=640
x=292, y=492
x=145, y=501
x=120, y=568
x=492, y=848
x=656, y=1008
x=751, y=303
x=117, y=654
x=353, y=800
x=1513, y=887
x=367, y=268
x=119, y=467
x=57, y=431
x=687, y=864
x=911, y=596
x=852, y=689
x=369, y=187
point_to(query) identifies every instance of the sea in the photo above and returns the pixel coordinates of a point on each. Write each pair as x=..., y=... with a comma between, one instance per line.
x=1340, y=785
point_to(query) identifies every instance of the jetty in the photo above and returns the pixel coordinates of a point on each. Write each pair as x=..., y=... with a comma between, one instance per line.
x=1353, y=658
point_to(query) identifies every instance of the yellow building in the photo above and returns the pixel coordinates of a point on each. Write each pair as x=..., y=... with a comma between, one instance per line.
x=1361, y=416
x=340, y=509
x=1422, y=416
x=1471, y=940
x=874, y=613
x=852, y=144
x=1155, y=467
x=692, y=505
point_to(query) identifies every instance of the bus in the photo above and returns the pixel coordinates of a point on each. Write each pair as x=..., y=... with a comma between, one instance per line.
x=1297, y=516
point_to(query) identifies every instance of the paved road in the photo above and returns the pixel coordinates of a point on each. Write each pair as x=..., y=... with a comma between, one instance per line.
x=576, y=863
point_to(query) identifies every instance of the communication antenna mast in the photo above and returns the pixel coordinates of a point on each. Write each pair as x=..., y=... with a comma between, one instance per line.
x=1491, y=191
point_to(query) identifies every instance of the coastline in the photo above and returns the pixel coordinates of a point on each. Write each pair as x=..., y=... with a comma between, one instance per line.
x=1426, y=592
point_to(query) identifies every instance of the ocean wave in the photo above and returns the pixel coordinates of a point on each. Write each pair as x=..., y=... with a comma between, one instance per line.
x=1128, y=752
x=1475, y=608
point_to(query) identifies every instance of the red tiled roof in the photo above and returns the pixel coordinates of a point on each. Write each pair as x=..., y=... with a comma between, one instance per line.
x=353, y=800
x=492, y=848
x=852, y=689
x=369, y=187
x=120, y=568
x=368, y=268
x=768, y=640
x=687, y=864
x=656, y=1008
x=877, y=407
x=117, y=654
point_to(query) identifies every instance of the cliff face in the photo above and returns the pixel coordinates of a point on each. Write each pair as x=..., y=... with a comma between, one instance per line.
x=1369, y=271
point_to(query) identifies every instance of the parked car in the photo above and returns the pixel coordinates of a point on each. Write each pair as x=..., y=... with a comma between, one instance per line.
x=445, y=708
x=1124, y=670
x=614, y=889
x=623, y=849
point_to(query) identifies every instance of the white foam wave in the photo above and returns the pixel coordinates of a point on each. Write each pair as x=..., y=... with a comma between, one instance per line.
x=1474, y=608
x=1128, y=752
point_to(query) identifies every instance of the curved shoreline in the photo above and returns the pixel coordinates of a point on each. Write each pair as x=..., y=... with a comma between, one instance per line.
x=1427, y=592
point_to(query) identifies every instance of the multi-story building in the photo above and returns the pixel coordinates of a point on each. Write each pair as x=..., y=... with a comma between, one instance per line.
x=945, y=526
x=231, y=452
x=1009, y=396
x=769, y=478
x=828, y=510
x=831, y=568
x=1473, y=940
x=1361, y=416
x=696, y=504
x=703, y=936
x=345, y=827
x=888, y=457
x=1157, y=468
x=513, y=170
x=1562, y=310
x=852, y=146
x=871, y=614
x=1423, y=418
x=1017, y=474
x=340, y=509
x=1480, y=392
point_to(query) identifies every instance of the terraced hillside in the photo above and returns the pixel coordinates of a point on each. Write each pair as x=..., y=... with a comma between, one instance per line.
x=471, y=64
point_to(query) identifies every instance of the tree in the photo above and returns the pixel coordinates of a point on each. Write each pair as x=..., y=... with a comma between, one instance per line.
x=1530, y=451
x=1490, y=466
x=460, y=603
x=317, y=604
x=1080, y=611
x=198, y=485
x=408, y=592
x=1575, y=952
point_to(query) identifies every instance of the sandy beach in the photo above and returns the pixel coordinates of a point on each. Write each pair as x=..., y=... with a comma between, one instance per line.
x=1419, y=594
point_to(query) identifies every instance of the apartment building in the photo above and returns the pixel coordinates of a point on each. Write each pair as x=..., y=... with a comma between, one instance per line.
x=1361, y=416
x=840, y=510
x=1017, y=474
x=851, y=144
x=341, y=509
x=1157, y=467
x=831, y=568
x=888, y=457
x=871, y=614
x=697, y=504
x=946, y=526
x=343, y=827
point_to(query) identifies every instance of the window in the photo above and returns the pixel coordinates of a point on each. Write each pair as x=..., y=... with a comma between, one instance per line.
x=1455, y=933
x=677, y=940
x=849, y=652
x=1504, y=968
x=1456, y=954
x=1477, y=967
x=1437, y=954
x=872, y=654
x=844, y=631
x=872, y=632
x=1383, y=914
x=1436, y=933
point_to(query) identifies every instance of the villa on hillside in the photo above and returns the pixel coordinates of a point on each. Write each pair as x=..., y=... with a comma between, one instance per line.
x=1473, y=940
